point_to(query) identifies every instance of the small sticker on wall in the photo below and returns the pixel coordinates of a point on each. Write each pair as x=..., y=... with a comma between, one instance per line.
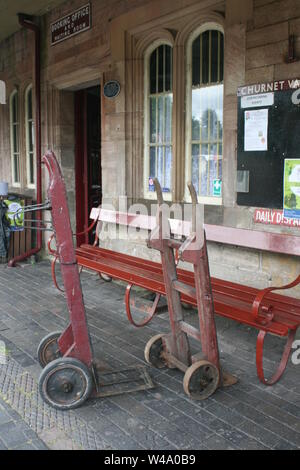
x=151, y=186
x=217, y=187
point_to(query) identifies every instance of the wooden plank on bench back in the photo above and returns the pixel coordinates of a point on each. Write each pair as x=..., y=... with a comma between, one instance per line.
x=268, y=241
x=144, y=222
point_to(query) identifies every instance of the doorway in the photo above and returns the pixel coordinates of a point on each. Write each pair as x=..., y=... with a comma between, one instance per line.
x=88, y=157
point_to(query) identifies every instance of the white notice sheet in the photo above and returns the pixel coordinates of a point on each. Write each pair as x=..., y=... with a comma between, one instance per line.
x=256, y=130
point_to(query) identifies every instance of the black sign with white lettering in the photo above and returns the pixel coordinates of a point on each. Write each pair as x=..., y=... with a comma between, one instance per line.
x=74, y=23
x=268, y=133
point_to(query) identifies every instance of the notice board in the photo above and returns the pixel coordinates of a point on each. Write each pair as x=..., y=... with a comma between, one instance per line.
x=268, y=133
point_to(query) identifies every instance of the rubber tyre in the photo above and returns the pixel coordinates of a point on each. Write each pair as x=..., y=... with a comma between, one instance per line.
x=65, y=384
x=46, y=349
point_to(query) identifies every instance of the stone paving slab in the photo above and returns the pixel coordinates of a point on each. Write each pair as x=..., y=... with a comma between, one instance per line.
x=15, y=433
x=245, y=416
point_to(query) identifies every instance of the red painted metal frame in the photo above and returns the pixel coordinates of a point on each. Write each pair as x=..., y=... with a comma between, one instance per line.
x=193, y=251
x=263, y=310
x=284, y=360
x=75, y=340
x=238, y=299
x=150, y=314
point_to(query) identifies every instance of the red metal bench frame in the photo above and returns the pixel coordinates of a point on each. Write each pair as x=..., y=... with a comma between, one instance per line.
x=262, y=309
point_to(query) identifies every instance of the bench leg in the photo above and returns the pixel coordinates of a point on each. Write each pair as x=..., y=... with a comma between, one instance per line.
x=283, y=363
x=128, y=308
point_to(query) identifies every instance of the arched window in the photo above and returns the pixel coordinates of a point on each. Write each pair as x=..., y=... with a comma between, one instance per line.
x=29, y=123
x=15, y=138
x=158, y=118
x=204, y=126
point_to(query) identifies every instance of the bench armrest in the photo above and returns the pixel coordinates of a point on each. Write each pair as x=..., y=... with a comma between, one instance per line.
x=256, y=306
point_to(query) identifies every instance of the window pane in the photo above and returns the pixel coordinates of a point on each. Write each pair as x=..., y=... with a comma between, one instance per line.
x=153, y=72
x=15, y=108
x=205, y=124
x=168, y=71
x=205, y=57
x=196, y=62
x=16, y=169
x=207, y=111
x=153, y=135
x=29, y=104
x=221, y=57
x=31, y=169
x=160, y=116
x=196, y=116
x=214, y=122
x=168, y=118
x=214, y=56
x=152, y=162
x=204, y=157
x=30, y=136
x=160, y=164
x=195, y=166
x=220, y=156
x=160, y=119
x=168, y=167
x=15, y=138
x=213, y=167
x=160, y=69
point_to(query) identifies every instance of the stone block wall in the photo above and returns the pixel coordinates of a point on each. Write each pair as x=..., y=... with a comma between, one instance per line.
x=256, y=46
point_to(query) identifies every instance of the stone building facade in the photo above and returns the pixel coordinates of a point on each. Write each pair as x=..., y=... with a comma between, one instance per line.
x=121, y=45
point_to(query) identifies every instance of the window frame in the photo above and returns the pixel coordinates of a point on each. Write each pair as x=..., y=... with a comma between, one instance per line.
x=147, y=54
x=29, y=184
x=15, y=93
x=209, y=200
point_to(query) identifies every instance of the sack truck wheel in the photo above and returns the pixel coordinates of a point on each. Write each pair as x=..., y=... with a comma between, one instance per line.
x=48, y=349
x=66, y=383
x=201, y=380
x=153, y=351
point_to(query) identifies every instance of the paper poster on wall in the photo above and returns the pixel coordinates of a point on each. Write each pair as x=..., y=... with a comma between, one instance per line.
x=256, y=101
x=291, y=189
x=256, y=130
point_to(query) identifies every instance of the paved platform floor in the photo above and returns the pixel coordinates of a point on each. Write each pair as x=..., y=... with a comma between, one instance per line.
x=245, y=416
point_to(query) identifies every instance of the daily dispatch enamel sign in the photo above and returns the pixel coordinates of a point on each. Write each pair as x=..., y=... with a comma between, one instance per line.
x=274, y=217
x=76, y=22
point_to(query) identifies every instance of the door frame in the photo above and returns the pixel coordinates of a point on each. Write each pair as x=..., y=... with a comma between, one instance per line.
x=81, y=166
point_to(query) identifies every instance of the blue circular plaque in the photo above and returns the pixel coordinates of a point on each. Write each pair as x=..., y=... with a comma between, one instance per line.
x=111, y=89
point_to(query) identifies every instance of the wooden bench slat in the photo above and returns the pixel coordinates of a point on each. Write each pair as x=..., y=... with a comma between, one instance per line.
x=254, y=239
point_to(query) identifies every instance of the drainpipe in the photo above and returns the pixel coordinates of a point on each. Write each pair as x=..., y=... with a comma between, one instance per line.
x=26, y=21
